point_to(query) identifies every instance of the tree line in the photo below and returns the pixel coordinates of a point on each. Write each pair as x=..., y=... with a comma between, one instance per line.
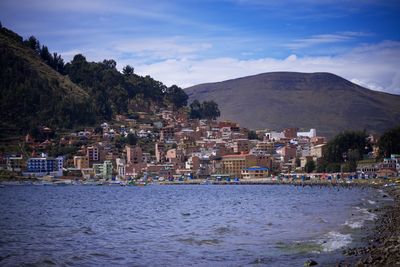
x=205, y=110
x=347, y=148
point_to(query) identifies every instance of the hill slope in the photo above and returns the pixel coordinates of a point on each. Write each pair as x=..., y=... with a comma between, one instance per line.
x=37, y=88
x=288, y=99
x=34, y=94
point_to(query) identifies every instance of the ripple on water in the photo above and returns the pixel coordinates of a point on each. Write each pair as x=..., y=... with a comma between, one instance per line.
x=223, y=230
x=199, y=242
x=157, y=225
x=262, y=260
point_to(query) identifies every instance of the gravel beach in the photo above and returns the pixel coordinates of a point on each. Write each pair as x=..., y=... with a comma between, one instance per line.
x=383, y=248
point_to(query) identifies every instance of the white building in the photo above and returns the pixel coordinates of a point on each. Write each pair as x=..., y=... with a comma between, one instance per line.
x=309, y=134
x=274, y=135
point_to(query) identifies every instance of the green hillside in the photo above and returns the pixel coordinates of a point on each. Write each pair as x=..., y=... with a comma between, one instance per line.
x=32, y=93
x=37, y=88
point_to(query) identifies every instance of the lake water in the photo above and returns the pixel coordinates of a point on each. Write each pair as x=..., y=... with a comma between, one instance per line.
x=180, y=225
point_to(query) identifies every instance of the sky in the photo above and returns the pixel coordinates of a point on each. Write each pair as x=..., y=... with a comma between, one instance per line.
x=188, y=42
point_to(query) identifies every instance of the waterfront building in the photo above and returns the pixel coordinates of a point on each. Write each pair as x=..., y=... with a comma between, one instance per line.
x=121, y=167
x=367, y=169
x=81, y=162
x=14, y=163
x=234, y=164
x=103, y=170
x=255, y=172
x=44, y=165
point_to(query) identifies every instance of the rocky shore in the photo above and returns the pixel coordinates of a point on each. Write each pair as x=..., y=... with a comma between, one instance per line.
x=383, y=247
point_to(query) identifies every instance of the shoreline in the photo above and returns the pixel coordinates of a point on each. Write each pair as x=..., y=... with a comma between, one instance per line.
x=383, y=245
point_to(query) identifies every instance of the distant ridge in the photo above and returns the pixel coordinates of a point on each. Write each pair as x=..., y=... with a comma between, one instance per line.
x=320, y=100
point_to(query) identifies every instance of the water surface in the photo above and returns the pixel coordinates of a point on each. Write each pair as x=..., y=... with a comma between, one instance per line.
x=179, y=225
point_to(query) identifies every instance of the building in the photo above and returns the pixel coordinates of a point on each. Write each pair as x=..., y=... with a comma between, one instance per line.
x=42, y=166
x=255, y=172
x=81, y=162
x=103, y=170
x=134, y=155
x=234, y=164
x=290, y=133
x=318, y=150
x=14, y=163
x=241, y=145
x=367, y=169
x=167, y=133
x=262, y=148
x=387, y=168
x=288, y=152
x=310, y=134
x=275, y=136
x=160, y=152
x=93, y=154
x=193, y=163
x=121, y=168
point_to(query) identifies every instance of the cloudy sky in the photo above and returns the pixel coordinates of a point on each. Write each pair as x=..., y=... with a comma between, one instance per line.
x=187, y=42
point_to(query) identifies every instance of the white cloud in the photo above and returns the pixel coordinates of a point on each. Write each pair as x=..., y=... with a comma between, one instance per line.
x=161, y=48
x=325, y=39
x=374, y=66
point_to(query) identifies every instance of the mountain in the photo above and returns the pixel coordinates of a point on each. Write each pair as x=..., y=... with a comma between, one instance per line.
x=323, y=101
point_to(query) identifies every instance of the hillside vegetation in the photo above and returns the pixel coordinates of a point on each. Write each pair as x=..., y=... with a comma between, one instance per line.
x=311, y=100
x=37, y=88
x=32, y=93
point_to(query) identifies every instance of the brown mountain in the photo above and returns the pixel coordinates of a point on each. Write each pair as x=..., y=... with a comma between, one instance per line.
x=323, y=101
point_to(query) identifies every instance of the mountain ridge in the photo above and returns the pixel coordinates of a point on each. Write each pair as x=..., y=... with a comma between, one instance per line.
x=319, y=100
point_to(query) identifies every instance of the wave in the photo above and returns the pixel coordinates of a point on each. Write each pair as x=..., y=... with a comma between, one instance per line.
x=335, y=240
x=359, y=217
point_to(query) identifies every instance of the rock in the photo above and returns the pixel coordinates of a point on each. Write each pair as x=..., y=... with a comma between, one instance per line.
x=310, y=262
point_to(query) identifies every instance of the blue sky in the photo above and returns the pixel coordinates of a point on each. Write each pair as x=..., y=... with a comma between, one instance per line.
x=186, y=42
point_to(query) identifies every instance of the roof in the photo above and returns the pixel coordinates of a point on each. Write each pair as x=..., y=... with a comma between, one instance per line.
x=235, y=156
x=257, y=168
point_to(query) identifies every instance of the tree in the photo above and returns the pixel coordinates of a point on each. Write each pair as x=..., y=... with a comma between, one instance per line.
x=252, y=135
x=310, y=166
x=298, y=162
x=196, y=110
x=333, y=167
x=120, y=142
x=98, y=130
x=45, y=54
x=338, y=148
x=58, y=63
x=132, y=139
x=210, y=110
x=110, y=63
x=34, y=44
x=79, y=58
x=128, y=70
x=389, y=142
x=176, y=96
x=349, y=166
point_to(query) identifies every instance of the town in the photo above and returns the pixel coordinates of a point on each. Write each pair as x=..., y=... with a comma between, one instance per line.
x=167, y=146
